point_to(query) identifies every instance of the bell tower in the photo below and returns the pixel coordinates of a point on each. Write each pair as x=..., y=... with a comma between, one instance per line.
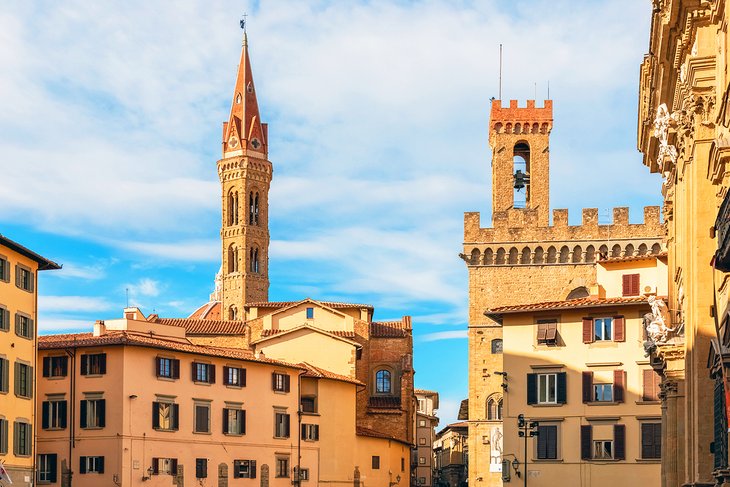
x=245, y=175
x=519, y=138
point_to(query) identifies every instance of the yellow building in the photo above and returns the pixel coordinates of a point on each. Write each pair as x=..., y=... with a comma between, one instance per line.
x=451, y=455
x=137, y=402
x=683, y=132
x=577, y=373
x=19, y=268
x=524, y=258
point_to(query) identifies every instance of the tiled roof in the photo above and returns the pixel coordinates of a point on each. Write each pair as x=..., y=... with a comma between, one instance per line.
x=384, y=402
x=209, y=311
x=391, y=329
x=362, y=431
x=589, y=302
x=339, y=333
x=206, y=327
x=459, y=424
x=284, y=304
x=319, y=373
x=633, y=258
x=43, y=263
x=424, y=391
x=46, y=342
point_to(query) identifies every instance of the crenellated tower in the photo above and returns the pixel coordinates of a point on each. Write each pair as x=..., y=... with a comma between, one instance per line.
x=245, y=175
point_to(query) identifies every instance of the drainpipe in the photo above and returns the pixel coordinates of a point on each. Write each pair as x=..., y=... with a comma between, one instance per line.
x=71, y=412
x=299, y=429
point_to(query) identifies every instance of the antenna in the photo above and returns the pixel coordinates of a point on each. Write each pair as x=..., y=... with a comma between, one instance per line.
x=500, y=72
x=548, y=90
x=127, y=290
x=535, y=90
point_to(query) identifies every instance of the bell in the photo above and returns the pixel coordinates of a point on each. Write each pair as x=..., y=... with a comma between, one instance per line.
x=521, y=179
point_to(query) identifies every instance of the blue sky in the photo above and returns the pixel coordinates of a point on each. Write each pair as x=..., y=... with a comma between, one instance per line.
x=377, y=112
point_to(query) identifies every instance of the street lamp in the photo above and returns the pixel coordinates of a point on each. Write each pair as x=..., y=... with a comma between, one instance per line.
x=528, y=429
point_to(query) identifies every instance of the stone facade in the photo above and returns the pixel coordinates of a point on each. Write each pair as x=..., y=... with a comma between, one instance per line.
x=683, y=132
x=522, y=258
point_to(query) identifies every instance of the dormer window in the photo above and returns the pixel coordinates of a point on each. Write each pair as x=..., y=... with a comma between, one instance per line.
x=310, y=313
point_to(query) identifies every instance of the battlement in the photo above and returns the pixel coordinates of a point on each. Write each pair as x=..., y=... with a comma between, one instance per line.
x=517, y=225
x=515, y=113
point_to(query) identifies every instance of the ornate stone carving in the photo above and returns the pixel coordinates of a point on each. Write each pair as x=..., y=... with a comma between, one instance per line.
x=667, y=155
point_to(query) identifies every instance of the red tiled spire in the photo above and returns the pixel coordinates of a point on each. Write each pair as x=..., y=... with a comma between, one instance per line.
x=244, y=129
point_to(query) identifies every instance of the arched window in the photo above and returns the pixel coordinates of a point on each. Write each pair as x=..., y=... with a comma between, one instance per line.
x=232, y=258
x=232, y=313
x=497, y=345
x=616, y=251
x=603, y=252
x=564, y=251
x=656, y=248
x=552, y=255
x=629, y=250
x=232, y=208
x=256, y=209
x=250, y=208
x=526, y=256
x=577, y=253
x=474, y=257
x=513, y=253
x=488, y=257
x=643, y=249
x=579, y=292
x=521, y=168
x=539, y=256
x=382, y=382
x=253, y=257
x=494, y=409
x=500, y=256
x=590, y=254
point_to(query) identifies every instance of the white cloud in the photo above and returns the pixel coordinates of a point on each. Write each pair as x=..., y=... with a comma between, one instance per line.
x=194, y=250
x=71, y=270
x=69, y=304
x=145, y=287
x=59, y=324
x=448, y=411
x=444, y=335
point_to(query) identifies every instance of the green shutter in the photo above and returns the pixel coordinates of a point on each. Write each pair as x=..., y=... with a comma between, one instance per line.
x=3, y=436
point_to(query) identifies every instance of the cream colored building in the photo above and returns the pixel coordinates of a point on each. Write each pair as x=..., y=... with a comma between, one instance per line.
x=683, y=132
x=524, y=257
x=427, y=402
x=19, y=268
x=577, y=368
x=451, y=455
x=137, y=402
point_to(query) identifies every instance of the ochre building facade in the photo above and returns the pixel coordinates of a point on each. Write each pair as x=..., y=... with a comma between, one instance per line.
x=524, y=258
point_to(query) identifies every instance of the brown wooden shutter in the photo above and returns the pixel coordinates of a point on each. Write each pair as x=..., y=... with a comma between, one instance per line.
x=587, y=330
x=618, y=385
x=243, y=377
x=156, y=415
x=252, y=469
x=650, y=389
x=619, y=329
x=225, y=421
x=225, y=375
x=175, y=369
x=551, y=334
x=175, y=422
x=155, y=466
x=287, y=383
x=193, y=370
x=587, y=386
x=586, y=437
x=541, y=332
x=531, y=388
x=18, y=279
x=273, y=380
x=211, y=375
x=243, y=422
x=619, y=441
x=158, y=361
x=46, y=366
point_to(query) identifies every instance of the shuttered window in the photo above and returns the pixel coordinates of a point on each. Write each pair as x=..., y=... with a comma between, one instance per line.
x=650, y=389
x=93, y=413
x=55, y=366
x=631, y=285
x=23, y=380
x=24, y=278
x=202, y=418
x=47, y=468
x=651, y=440
x=281, y=382
x=204, y=373
x=586, y=439
x=4, y=375
x=547, y=442
x=201, y=468
x=22, y=437
x=551, y=388
x=164, y=466
x=619, y=442
x=281, y=425
x=24, y=326
x=3, y=436
x=234, y=421
x=310, y=432
x=54, y=415
x=4, y=319
x=244, y=469
x=91, y=464
x=234, y=376
x=547, y=332
x=168, y=368
x=165, y=416
x=93, y=364
x=4, y=269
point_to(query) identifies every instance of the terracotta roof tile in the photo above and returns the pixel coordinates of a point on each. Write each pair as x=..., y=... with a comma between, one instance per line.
x=362, y=431
x=206, y=327
x=339, y=333
x=424, y=391
x=633, y=258
x=589, y=302
x=384, y=402
x=209, y=311
x=317, y=372
x=47, y=342
x=284, y=304
x=391, y=329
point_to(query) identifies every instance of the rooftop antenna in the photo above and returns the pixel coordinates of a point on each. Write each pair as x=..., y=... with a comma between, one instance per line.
x=500, y=72
x=535, y=90
x=127, y=291
x=548, y=90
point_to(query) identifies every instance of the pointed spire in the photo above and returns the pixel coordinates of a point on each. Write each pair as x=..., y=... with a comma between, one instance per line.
x=244, y=130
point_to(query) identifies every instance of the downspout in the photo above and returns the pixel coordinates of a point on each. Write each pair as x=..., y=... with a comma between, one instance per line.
x=35, y=380
x=299, y=429
x=72, y=412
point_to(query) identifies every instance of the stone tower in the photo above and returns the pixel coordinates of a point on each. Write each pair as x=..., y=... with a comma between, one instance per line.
x=519, y=138
x=245, y=175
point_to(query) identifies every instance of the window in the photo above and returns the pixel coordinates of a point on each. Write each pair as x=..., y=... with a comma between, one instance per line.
x=650, y=390
x=168, y=368
x=382, y=382
x=3, y=436
x=54, y=415
x=422, y=441
x=402, y=464
x=47, y=468
x=376, y=462
x=309, y=404
x=547, y=332
x=651, y=440
x=421, y=423
x=547, y=442
x=4, y=375
x=281, y=425
x=494, y=409
x=280, y=382
x=603, y=392
x=310, y=313
x=93, y=413
x=234, y=421
x=56, y=366
x=244, y=469
x=303, y=473
x=164, y=466
x=4, y=269
x=422, y=460
x=282, y=466
x=422, y=405
x=547, y=388
x=201, y=468
x=602, y=329
x=602, y=449
x=232, y=259
x=310, y=432
x=22, y=437
x=165, y=416
x=24, y=326
x=4, y=319
x=203, y=373
x=254, y=260
x=234, y=376
x=202, y=418
x=497, y=346
x=24, y=278
x=91, y=464
x=23, y=380
x=631, y=285
x=93, y=364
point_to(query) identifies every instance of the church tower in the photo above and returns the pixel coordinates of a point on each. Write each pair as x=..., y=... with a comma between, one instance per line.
x=519, y=138
x=245, y=175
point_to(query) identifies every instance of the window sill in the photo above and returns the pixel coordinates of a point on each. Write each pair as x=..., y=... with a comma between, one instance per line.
x=92, y=376
x=602, y=403
x=93, y=428
x=307, y=413
x=53, y=429
x=281, y=437
x=234, y=386
x=547, y=460
x=233, y=434
x=548, y=405
x=55, y=377
x=166, y=379
x=201, y=383
x=24, y=337
x=24, y=397
x=202, y=433
x=280, y=392
x=648, y=403
x=648, y=460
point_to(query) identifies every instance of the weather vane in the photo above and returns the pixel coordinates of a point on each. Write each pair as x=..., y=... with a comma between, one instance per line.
x=243, y=22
